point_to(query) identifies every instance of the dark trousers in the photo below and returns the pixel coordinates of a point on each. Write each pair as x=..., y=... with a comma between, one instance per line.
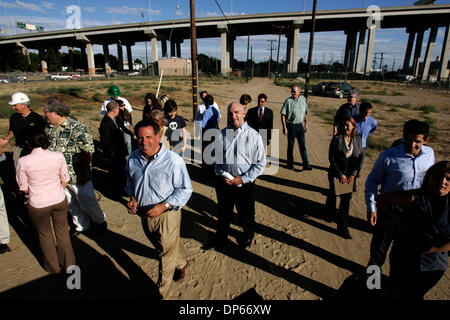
x=244, y=199
x=116, y=176
x=55, y=256
x=296, y=131
x=405, y=274
x=344, y=205
x=383, y=235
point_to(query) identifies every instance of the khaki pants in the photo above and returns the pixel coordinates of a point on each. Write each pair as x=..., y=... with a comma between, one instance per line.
x=164, y=233
x=61, y=255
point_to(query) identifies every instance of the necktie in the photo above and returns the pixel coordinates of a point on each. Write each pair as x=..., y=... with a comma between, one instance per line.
x=261, y=114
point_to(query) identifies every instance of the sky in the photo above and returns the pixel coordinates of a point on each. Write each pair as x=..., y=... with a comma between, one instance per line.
x=328, y=46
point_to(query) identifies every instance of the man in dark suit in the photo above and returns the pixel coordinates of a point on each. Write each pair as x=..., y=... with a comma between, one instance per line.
x=261, y=117
x=114, y=148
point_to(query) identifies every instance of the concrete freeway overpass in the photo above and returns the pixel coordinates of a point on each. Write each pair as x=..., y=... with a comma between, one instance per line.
x=416, y=20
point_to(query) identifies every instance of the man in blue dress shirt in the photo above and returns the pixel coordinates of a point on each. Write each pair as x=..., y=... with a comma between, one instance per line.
x=240, y=158
x=399, y=168
x=159, y=186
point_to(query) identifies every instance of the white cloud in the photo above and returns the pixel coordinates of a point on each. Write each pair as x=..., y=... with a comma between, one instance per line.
x=21, y=5
x=48, y=5
x=132, y=11
x=211, y=14
x=89, y=9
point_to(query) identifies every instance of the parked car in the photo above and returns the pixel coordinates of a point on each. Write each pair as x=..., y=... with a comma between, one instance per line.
x=75, y=76
x=319, y=88
x=60, y=77
x=339, y=89
x=136, y=73
x=4, y=81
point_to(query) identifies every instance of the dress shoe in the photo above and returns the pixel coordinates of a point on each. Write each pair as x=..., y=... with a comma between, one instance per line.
x=344, y=233
x=290, y=167
x=307, y=167
x=180, y=273
x=214, y=244
x=245, y=242
x=4, y=248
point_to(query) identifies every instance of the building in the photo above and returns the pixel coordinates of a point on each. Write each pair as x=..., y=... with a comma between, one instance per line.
x=175, y=66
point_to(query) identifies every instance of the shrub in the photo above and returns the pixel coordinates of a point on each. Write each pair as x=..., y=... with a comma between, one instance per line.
x=427, y=109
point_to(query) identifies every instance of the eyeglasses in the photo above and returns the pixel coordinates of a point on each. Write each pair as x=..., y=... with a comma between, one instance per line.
x=262, y=101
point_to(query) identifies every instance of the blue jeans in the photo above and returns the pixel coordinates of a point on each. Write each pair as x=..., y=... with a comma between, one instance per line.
x=296, y=131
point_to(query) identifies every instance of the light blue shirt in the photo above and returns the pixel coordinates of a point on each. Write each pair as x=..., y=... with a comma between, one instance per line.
x=240, y=152
x=396, y=170
x=165, y=178
x=365, y=128
x=210, y=118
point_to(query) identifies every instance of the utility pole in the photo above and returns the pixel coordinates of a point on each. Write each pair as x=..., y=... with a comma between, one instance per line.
x=194, y=60
x=381, y=61
x=251, y=58
x=374, y=62
x=271, y=47
x=311, y=44
x=246, y=61
x=280, y=28
x=146, y=57
x=393, y=64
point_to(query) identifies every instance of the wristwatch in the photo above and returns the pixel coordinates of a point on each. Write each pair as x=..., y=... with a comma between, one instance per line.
x=168, y=206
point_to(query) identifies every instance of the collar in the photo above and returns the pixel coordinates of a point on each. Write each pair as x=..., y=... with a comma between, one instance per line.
x=421, y=152
x=38, y=150
x=156, y=156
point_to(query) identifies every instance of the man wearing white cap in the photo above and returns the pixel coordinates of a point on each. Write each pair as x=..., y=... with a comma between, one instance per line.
x=19, y=121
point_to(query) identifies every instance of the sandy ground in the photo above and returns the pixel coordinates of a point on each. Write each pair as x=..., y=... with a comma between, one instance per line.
x=295, y=255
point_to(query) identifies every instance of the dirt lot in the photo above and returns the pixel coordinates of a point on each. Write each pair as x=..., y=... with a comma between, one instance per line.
x=296, y=255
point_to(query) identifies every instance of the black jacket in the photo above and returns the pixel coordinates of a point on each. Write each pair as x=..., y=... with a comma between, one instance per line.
x=339, y=164
x=266, y=123
x=111, y=139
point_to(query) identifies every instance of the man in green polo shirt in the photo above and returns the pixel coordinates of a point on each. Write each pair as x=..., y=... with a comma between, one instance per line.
x=293, y=113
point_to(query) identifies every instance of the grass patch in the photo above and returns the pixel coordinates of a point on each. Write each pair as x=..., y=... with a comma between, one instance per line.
x=5, y=109
x=397, y=93
x=327, y=115
x=169, y=88
x=377, y=145
x=393, y=109
x=98, y=97
x=374, y=101
x=427, y=109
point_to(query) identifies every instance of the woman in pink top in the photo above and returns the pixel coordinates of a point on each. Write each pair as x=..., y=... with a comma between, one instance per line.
x=43, y=174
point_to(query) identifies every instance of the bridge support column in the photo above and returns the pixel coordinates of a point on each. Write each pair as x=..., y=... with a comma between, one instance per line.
x=72, y=58
x=179, y=49
x=90, y=59
x=44, y=67
x=350, y=44
x=417, y=52
x=120, y=56
x=360, y=51
x=409, y=47
x=106, y=56
x=369, y=51
x=443, y=73
x=429, y=52
x=130, y=58
x=154, y=49
x=225, y=43
x=164, y=48
x=293, y=41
